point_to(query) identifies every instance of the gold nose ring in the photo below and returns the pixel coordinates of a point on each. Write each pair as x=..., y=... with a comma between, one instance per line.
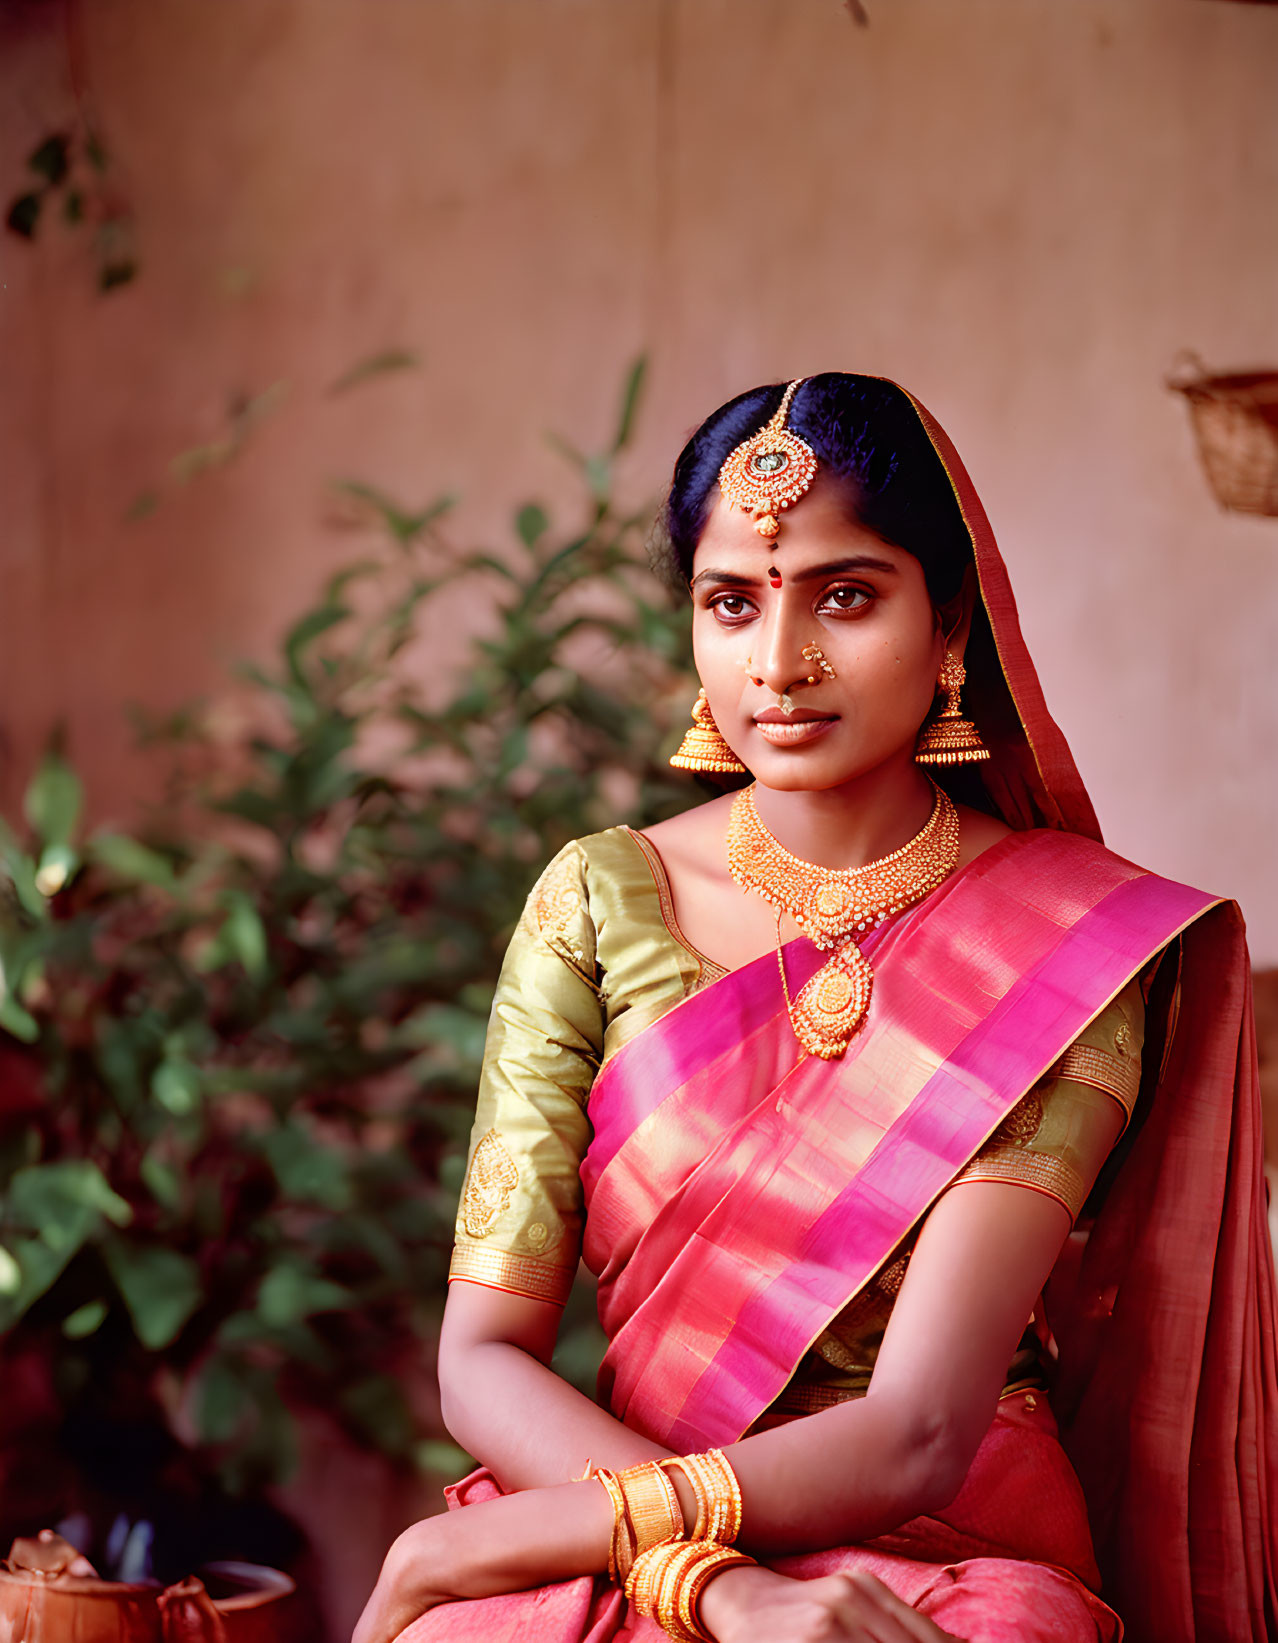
x=814, y=653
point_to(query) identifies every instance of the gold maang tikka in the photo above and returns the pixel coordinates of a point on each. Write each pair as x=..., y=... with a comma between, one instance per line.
x=770, y=471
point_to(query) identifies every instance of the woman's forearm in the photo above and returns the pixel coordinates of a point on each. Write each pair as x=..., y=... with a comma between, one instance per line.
x=846, y=1474
x=529, y=1427
x=828, y=1479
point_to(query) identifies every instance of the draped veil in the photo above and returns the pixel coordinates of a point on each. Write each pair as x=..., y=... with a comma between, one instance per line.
x=1163, y=1308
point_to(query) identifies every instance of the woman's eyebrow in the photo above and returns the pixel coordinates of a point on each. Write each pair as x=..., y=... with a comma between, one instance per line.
x=836, y=567
x=733, y=578
x=861, y=561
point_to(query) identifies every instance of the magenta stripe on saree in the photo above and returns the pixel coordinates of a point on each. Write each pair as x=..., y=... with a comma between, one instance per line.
x=756, y=1193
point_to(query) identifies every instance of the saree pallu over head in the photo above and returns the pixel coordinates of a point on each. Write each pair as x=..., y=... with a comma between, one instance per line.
x=740, y=1196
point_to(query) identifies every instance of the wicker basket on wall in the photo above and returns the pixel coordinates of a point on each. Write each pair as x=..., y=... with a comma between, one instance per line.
x=1236, y=424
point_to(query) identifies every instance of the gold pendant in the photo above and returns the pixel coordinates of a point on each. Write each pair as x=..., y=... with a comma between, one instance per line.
x=831, y=1007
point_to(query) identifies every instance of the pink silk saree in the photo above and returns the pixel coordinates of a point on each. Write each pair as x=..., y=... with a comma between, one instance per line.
x=739, y=1196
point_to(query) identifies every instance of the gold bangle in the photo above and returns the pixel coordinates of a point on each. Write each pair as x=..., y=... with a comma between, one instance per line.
x=666, y=1583
x=717, y=1492
x=728, y=1494
x=650, y=1575
x=687, y=1465
x=651, y=1505
x=687, y=1554
x=717, y=1498
x=619, y=1544
x=718, y=1559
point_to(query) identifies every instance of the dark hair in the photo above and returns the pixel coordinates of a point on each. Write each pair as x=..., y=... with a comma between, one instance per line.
x=867, y=434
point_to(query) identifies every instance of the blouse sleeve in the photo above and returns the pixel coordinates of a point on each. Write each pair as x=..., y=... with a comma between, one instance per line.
x=1058, y=1136
x=520, y=1216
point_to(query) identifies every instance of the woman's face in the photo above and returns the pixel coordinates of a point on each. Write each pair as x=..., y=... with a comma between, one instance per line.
x=862, y=601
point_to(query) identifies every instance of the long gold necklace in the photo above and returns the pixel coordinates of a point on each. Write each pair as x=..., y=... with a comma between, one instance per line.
x=833, y=906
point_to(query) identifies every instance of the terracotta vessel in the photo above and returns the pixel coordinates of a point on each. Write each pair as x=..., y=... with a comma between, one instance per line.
x=43, y=1601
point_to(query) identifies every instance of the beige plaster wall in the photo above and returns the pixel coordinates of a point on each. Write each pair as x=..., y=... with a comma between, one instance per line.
x=1019, y=208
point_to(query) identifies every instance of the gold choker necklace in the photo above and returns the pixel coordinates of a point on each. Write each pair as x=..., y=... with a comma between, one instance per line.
x=833, y=906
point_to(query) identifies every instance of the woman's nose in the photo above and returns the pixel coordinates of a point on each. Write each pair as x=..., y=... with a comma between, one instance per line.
x=777, y=662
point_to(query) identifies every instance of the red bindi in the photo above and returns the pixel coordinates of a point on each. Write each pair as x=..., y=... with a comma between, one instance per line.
x=774, y=576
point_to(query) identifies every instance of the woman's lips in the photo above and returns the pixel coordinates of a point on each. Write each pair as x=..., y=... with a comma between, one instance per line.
x=795, y=731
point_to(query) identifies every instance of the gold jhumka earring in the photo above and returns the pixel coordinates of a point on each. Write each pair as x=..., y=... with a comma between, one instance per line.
x=950, y=738
x=770, y=471
x=703, y=747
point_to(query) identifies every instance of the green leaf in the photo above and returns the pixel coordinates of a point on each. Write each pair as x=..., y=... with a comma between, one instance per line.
x=402, y=525
x=161, y=1180
x=531, y=522
x=143, y=505
x=306, y=1170
x=390, y=359
x=290, y=1292
x=449, y=1460
x=50, y=159
x=175, y=1084
x=64, y=1202
x=448, y=1025
x=303, y=635
x=222, y=1400
x=24, y=214
x=160, y=1287
x=85, y=1320
x=241, y=939
x=15, y=1020
x=132, y=861
x=21, y=870
x=58, y=863
x=116, y=272
x=598, y=471
x=452, y=1173
x=376, y=1407
x=53, y=800
x=630, y=403
x=39, y=1267
x=10, y=1273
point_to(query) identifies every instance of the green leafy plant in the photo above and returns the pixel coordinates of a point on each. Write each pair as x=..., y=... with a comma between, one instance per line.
x=240, y=1047
x=71, y=168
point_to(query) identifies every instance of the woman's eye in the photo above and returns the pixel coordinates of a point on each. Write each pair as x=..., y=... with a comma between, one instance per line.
x=731, y=606
x=847, y=598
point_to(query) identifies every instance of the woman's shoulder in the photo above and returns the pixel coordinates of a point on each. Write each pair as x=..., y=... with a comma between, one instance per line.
x=616, y=861
x=1037, y=850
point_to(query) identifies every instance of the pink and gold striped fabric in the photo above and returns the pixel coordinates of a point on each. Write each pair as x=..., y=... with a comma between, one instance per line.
x=739, y=1195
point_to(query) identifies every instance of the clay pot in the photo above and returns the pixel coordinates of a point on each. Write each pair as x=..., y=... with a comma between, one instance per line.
x=256, y=1604
x=252, y=1605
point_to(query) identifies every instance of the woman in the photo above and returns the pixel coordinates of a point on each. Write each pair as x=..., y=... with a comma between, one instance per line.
x=825, y=1169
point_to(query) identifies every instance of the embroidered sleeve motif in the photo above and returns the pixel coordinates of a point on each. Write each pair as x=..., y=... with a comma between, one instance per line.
x=874, y=1302
x=1009, y=1156
x=491, y=1179
x=560, y=910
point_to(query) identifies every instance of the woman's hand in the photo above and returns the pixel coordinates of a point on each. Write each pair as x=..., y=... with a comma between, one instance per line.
x=752, y=1605
x=531, y=1538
